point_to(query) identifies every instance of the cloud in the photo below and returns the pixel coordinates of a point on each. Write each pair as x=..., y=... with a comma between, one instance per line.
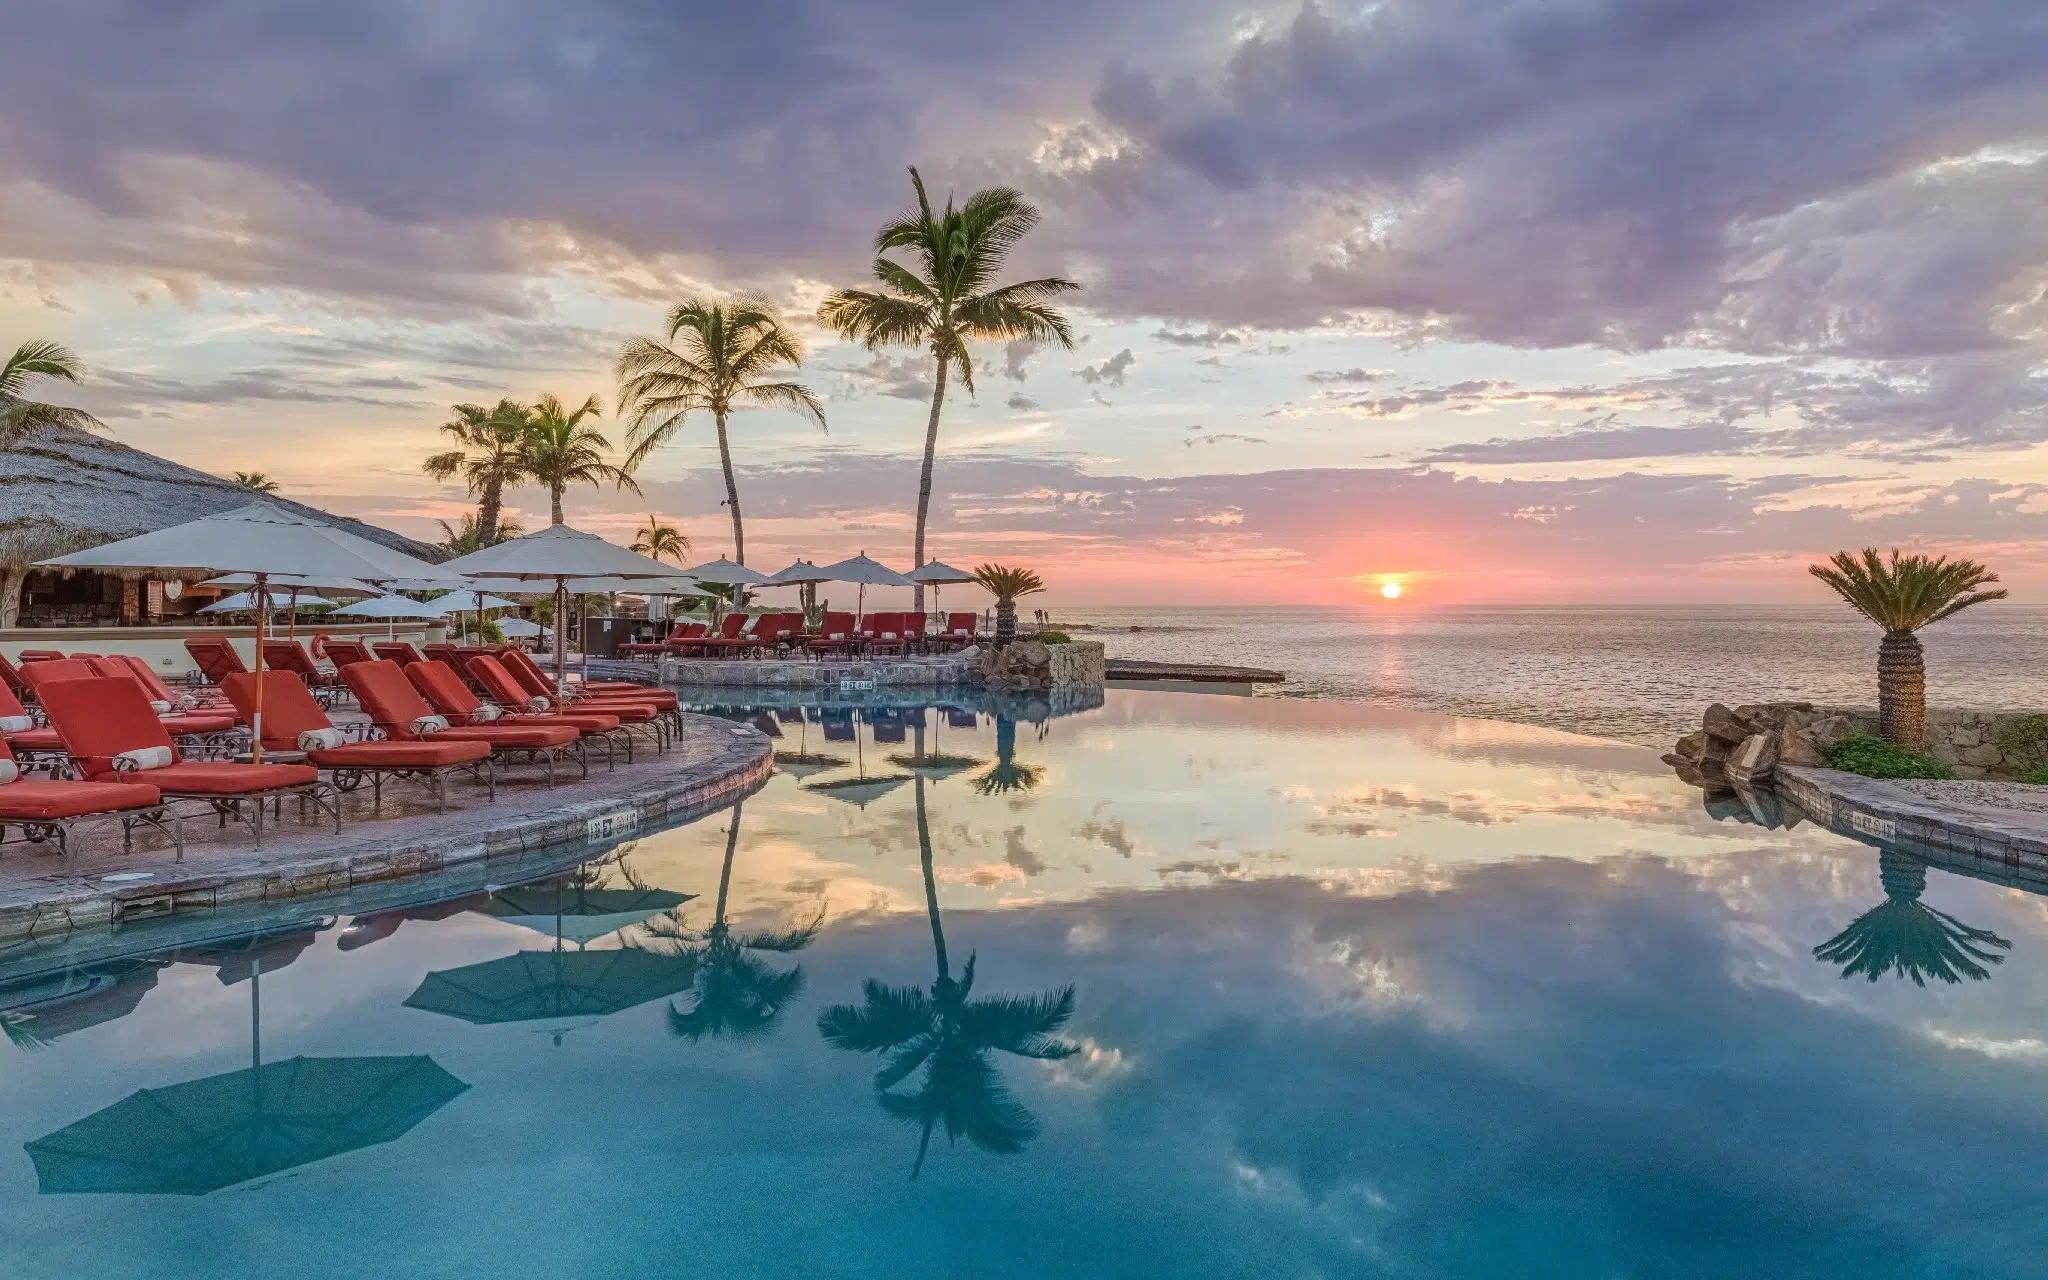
x=1016, y=354
x=1221, y=437
x=1209, y=337
x=1021, y=402
x=1109, y=372
x=1602, y=444
x=1351, y=375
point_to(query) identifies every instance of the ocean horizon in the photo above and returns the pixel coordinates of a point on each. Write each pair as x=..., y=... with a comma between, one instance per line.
x=1640, y=673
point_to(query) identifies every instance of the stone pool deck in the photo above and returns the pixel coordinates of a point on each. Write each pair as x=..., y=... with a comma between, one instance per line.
x=2010, y=845
x=712, y=763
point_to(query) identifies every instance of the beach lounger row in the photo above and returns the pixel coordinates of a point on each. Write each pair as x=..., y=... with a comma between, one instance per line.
x=784, y=635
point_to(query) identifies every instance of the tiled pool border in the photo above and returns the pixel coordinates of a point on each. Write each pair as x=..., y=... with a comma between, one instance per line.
x=1975, y=840
x=725, y=763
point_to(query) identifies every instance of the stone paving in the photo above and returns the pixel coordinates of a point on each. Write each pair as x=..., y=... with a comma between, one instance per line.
x=712, y=762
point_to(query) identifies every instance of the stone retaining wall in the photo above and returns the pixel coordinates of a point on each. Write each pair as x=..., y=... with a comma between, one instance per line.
x=1741, y=746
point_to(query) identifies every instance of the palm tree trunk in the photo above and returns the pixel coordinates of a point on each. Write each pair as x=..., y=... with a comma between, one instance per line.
x=931, y=887
x=732, y=841
x=1006, y=622
x=10, y=596
x=555, y=493
x=924, y=480
x=487, y=509
x=1902, y=690
x=732, y=495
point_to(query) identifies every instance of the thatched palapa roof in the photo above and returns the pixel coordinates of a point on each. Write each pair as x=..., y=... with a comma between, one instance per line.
x=63, y=490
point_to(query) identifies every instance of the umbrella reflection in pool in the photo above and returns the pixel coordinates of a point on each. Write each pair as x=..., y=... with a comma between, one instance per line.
x=950, y=1035
x=734, y=993
x=193, y=1138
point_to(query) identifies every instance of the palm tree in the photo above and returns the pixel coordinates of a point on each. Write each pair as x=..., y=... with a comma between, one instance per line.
x=718, y=356
x=38, y=358
x=1904, y=935
x=655, y=540
x=951, y=1035
x=1902, y=594
x=254, y=482
x=1007, y=585
x=1006, y=774
x=467, y=536
x=488, y=460
x=733, y=993
x=950, y=298
x=557, y=450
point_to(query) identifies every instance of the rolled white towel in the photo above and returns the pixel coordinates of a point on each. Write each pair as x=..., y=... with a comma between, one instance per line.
x=320, y=739
x=16, y=724
x=144, y=758
x=429, y=724
x=486, y=712
x=159, y=706
x=538, y=705
x=10, y=771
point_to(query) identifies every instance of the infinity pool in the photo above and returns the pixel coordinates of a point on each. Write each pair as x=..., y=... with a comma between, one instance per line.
x=1181, y=986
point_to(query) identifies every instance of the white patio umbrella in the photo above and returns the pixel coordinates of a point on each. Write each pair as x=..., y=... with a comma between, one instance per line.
x=459, y=601
x=866, y=573
x=246, y=603
x=521, y=629
x=562, y=555
x=725, y=571
x=390, y=608
x=260, y=539
x=935, y=572
x=805, y=577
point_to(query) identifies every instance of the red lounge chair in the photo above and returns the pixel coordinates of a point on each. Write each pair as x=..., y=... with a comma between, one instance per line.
x=10, y=675
x=730, y=636
x=211, y=729
x=217, y=659
x=890, y=633
x=601, y=694
x=31, y=742
x=40, y=655
x=45, y=809
x=837, y=635
x=959, y=632
x=99, y=718
x=686, y=639
x=779, y=631
x=393, y=705
x=342, y=653
x=398, y=651
x=182, y=700
x=439, y=685
x=289, y=710
x=290, y=655
x=502, y=686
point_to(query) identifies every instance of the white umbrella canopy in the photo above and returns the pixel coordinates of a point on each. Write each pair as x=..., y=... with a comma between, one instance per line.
x=727, y=573
x=260, y=539
x=564, y=555
x=802, y=573
x=934, y=572
x=520, y=628
x=469, y=600
x=287, y=581
x=246, y=603
x=677, y=586
x=865, y=572
x=388, y=607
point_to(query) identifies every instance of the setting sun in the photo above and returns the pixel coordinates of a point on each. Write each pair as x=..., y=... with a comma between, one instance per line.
x=1391, y=590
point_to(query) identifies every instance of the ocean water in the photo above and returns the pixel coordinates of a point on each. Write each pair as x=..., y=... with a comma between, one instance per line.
x=1640, y=675
x=1270, y=988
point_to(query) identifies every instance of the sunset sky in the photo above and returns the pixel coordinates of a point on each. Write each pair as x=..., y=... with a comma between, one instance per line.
x=1581, y=300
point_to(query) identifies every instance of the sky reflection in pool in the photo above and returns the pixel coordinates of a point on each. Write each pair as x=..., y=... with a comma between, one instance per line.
x=1352, y=992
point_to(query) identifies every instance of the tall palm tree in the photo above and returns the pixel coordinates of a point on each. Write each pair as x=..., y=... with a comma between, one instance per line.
x=719, y=355
x=558, y=450
x=733, y=992
x=1007, y=586
x=656, y=539
x=1904, y=935
x=949, y=299
x=1903, y=593
x=38, y=358
x=254, y=482
x=488, y=459
x=951, y=1035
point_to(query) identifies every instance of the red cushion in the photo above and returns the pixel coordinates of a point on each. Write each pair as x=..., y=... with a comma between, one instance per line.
x=580, y=721
x=225, y=778
x=33, y=798
x=513, y=735
x=36, y=740
x=432, y=754
x=198, y=723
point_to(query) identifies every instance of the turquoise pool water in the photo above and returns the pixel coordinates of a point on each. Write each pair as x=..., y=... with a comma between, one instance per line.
x=1258, y=988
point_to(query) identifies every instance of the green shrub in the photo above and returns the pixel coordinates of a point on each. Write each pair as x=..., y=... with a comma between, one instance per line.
x=1877, y=758
x=1053, y=637
x=2035, y=777
x=2024, y=744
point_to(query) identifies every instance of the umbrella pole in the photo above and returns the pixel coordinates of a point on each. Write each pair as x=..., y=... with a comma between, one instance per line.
x=561, y=655
x=256, y=714
x=583, y=636
x=255, y=1013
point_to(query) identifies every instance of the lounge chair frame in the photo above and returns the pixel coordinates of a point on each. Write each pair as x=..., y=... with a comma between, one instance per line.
x=44, y=830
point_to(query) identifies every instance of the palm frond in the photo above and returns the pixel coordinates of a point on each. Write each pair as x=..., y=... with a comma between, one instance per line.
x=887, y=1017
x=1902, y=592
x=877, y=319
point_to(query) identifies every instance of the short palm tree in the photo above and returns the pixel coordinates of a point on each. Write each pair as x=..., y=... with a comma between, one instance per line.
x=950, y=298
x=489, y=458
x=656, y=539
x=733, y=992
x=558, y=450
x=39, y=359
x=1903, y=593
x=467, y=536
x=1007, y=586
x=254, y=482
x=719, y=355
x=951, y=1035
x=1007, y=774
x=1904, y=935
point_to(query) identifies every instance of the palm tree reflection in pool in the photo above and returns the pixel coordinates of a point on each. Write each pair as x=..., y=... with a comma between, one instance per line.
x=1904, y=935
x=951, y=1035
x=734, y=993
x=1006, y=774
